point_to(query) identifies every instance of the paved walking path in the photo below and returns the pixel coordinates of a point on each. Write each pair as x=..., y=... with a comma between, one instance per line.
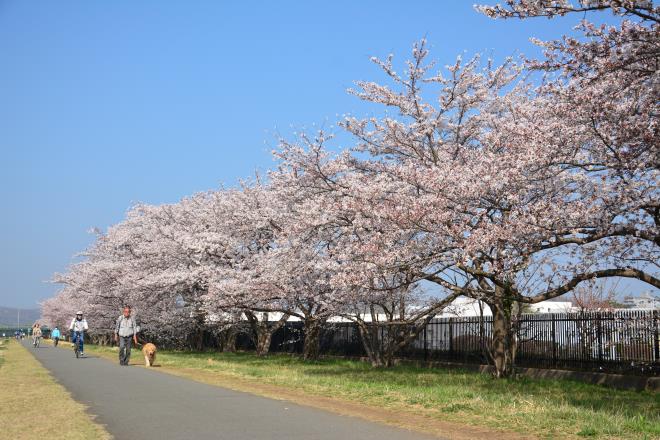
x=137, y=403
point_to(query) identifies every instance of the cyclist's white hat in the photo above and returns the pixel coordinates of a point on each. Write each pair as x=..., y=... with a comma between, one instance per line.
x=79, y=312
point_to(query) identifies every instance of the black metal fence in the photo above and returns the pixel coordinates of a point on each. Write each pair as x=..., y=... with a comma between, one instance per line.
x=621, y=341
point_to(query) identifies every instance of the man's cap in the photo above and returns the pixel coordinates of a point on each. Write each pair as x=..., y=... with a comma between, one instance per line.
x=79, y=312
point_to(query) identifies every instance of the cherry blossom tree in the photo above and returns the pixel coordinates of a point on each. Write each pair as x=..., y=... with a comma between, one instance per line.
x=239, y=233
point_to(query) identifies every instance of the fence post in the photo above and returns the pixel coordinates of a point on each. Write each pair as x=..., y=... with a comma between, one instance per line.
x=426, y=350
x=656, y=337
x=451, y=339
x=554, y=342
x=284, y=339
x=482, y=342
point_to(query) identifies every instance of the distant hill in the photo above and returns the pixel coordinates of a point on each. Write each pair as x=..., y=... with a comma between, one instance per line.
x=8, y=316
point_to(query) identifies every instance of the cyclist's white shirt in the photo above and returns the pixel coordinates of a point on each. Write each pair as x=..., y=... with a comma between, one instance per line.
x=78, y=326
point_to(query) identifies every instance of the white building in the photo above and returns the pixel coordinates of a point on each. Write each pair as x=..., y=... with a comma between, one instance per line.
x=552, y=307
x=646, y=300
x=463, y=306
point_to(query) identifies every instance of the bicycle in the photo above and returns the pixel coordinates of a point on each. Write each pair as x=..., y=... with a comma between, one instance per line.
x=76, y=344
x=36, y=341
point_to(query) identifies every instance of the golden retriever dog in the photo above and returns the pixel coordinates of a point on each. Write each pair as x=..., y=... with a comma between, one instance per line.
x=149, y=352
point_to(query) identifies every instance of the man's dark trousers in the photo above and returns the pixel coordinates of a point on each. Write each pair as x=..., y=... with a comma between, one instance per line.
x=125, y=349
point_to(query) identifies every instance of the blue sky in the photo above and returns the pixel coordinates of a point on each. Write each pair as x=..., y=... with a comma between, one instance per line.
x=104, y=104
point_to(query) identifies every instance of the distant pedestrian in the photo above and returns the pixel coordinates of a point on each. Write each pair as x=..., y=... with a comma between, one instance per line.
x=125, y=333
x=55, y=335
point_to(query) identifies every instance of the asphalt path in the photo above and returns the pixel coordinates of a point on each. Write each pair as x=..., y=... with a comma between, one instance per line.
x=137, y=403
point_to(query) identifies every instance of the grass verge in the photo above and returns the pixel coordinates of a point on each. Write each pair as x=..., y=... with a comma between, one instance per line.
x=417, y=398
x=34, y=406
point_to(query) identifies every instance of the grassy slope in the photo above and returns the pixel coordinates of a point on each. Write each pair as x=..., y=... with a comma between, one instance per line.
x=544, y=408
x=34, y=406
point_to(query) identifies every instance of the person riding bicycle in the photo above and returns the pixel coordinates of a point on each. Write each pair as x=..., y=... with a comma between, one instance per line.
x=36, y=334
x=78, y=327
x=55, y=336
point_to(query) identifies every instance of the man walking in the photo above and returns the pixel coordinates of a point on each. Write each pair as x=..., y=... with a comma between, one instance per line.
x=125, y=330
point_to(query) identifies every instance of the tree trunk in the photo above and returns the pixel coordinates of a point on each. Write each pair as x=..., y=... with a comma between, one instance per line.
x=503, y=346
x=382, y=342
x=229, y=340
x=312, y=339
x=264, y=336
x=373, y=345
x=197, y=339
x=263, y=330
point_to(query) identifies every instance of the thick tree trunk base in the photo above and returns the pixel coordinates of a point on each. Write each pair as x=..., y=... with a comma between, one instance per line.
x=263, y=343
x=229, y=341
x=311, y=349
x=503, y=345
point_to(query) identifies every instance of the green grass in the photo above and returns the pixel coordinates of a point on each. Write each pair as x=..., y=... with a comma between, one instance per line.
x=545, y=408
